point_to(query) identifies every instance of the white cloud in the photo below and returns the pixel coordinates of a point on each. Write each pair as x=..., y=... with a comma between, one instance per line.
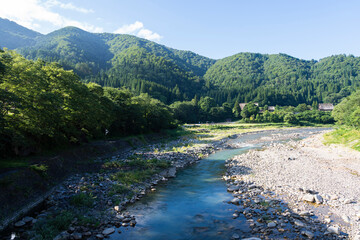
x=30, y=13
x=137, y=28
x=68, y=6
x=130, y=29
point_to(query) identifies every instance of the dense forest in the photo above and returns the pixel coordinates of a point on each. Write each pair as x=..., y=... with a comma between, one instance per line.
x=43, y=105
x=282, y=79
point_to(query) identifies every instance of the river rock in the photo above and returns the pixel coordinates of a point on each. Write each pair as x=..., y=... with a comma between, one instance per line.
x=251, y=238
x=308, y=198
x=171, y=172
x=126, y=220
x=100, y=236
x=318, y=199
x=117, y=208
x=307, y=233
x=108, y=231
x=304, y=213
x=28, y=219
x=77, y=236
x=299, y=223
x=346, y=219
x=235, y=201
x=235, y=236
x=20, y=224
x=271, y=225
x=334, y=229
x=233, y=188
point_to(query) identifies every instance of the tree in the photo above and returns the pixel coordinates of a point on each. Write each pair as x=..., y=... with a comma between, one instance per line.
x=236, y=110
x=249, y=110
x=206, y=103
x=291, y=118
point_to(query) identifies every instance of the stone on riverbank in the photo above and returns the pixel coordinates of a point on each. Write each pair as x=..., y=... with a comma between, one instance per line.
x=334, y=229
x=309, y=198
x=108, y=231
x=20, y=224
x=318, y=199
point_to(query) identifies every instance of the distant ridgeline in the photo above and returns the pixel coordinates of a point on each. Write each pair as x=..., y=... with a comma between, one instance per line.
x=170, y=75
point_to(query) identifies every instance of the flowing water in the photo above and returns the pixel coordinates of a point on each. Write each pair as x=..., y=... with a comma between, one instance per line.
x=194, y=205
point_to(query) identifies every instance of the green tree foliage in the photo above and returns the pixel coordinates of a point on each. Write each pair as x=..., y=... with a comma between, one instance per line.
x=186, y=112
x=116, y=60
x=236, y=110
x=348, y=111
x=206, y=103
x=280, y=79
x=43, y=105
x=250, y=110
x=291, y=118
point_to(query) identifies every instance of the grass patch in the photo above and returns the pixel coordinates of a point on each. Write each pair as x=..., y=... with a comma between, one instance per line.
x=85, y=221
x=82, y=200
x=119, y=189
x=131, y=177
x=135, y=169
x=14, y=163
x=344, y=135
x=177, y=132
x=53, y=225
x=41, y=169
x=137, y=162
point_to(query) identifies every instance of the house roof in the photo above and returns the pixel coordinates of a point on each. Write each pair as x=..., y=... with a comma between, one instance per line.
x=242, y=105
x=326, y=106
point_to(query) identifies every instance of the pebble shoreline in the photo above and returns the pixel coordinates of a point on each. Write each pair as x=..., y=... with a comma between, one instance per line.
x=317, y=184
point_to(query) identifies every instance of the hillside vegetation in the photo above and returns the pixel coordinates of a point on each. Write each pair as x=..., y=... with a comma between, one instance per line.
x=170, y=75
x=282, y=79
x=13, y=35
x=43, y=106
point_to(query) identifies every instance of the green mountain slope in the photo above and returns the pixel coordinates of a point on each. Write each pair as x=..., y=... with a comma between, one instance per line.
x=282, y=79
x=73, y=48
x=186, y=60
x=168, y=74
x=123, y=60
x=12, y=35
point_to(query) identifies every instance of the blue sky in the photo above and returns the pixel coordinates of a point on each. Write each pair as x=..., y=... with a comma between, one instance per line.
x=301, y=28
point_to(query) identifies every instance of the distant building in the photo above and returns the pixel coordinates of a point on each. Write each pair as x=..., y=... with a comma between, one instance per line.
x=271, y=108
x=325, y=107
x=242, y=105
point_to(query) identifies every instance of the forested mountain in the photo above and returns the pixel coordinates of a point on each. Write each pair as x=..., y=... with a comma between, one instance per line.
x=73, y=48
x=122, y=60
x=13, y=35
x=282, y=79
x=143, y=66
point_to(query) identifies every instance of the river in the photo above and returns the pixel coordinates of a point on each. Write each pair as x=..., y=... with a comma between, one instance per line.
x=194, y=205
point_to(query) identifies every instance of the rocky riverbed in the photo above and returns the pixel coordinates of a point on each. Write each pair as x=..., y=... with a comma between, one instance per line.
x=298, y=189
x=90, y=203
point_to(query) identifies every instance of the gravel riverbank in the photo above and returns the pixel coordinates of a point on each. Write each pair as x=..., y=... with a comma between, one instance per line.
x=95, y=203
x=318, y=184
